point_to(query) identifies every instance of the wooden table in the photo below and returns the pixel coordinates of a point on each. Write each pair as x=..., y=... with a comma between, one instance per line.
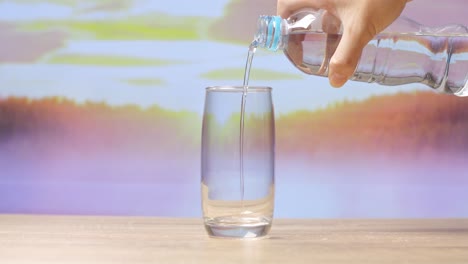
x=78, y=239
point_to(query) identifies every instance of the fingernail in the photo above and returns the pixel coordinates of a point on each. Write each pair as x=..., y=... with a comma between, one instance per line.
x=337, y=80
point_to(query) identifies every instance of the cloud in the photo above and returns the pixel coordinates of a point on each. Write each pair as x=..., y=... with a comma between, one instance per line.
x=21, y=47
x=106, y=6
x=240, y=20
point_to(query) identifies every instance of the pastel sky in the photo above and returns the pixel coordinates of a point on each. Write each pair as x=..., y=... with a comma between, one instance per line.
x=178, y=86
x=34, y=10
x=436, y=12
x=430, y=12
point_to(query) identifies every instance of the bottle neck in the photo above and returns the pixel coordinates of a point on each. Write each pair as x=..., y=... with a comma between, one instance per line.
x=270, y=33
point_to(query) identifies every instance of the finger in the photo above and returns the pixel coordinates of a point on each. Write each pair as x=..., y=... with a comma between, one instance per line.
x=286, y=8
x=347, y=55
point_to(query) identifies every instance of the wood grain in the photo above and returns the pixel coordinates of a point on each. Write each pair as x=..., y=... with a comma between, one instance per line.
x=80, y=239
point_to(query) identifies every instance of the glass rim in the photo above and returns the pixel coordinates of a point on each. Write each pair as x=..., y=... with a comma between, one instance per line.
x=238, y=88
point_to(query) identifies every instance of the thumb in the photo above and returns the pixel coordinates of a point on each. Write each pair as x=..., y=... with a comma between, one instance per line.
x=346, y=57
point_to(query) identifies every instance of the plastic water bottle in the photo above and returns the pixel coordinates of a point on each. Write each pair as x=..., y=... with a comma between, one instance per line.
x=406, y=52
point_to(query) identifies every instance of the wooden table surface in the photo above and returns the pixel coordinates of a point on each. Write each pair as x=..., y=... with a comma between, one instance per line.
x=78, y=239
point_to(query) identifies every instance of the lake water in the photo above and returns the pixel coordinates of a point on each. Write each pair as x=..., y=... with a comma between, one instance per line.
x=299, y=199
x=137, y=187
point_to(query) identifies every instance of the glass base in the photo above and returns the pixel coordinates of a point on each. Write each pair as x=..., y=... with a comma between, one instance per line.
x=238, y=227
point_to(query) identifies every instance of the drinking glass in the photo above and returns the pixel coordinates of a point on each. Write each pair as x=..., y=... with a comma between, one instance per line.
x=237, y=177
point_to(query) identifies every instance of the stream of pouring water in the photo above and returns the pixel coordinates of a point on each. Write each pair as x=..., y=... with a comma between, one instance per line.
x=248, y=64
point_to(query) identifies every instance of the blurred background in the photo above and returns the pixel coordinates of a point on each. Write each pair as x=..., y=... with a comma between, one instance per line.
x=101, y=105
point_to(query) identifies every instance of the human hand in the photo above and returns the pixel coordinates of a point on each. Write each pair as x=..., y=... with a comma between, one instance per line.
x=361, y=20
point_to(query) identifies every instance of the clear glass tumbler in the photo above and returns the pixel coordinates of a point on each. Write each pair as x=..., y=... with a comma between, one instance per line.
x=238, y=192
